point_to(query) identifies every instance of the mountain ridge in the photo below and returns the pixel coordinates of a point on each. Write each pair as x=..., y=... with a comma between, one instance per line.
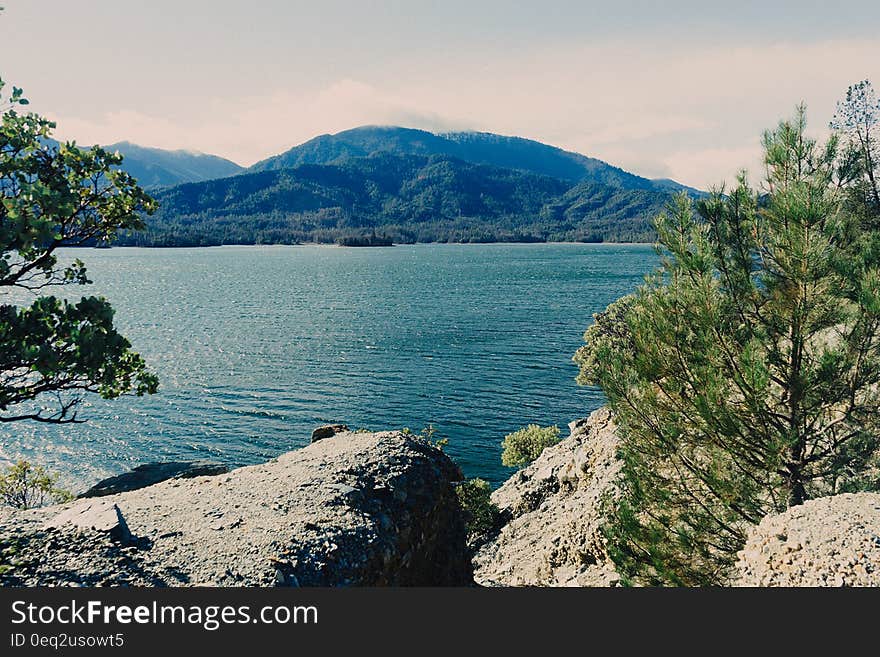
x=471, y=146
x=158, y=167
x=407, y=198
x=400, y=184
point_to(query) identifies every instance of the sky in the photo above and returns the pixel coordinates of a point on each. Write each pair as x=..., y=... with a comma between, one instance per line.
x=677, y=89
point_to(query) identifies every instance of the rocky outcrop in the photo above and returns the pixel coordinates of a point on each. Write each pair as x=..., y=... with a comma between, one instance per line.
x=152, y=473
x=553, y=510
x=328, y=431
x=358, y=509
x=368, y=509
x=552, y=514
x=830, y=541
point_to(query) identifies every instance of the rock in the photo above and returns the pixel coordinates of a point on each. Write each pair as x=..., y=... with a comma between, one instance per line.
x=830, y=541
x=104, y=517
x=328, y=431
x=373, y=509
x=152, y=473
x=346, y=492
x=551, y=536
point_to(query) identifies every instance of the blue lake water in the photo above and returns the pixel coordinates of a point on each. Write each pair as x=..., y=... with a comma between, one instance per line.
x=255, y=346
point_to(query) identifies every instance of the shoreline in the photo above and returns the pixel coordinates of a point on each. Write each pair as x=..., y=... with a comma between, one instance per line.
x=336, y=246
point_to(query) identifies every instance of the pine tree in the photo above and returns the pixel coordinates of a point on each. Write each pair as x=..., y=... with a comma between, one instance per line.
x=857, y=121
x=745, y=373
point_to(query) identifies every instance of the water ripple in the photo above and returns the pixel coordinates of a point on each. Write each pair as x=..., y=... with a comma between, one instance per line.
x=254, y=346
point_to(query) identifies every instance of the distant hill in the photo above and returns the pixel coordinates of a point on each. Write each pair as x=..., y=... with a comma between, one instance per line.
x=408, y=198
x=475, y=147
x=155, y=167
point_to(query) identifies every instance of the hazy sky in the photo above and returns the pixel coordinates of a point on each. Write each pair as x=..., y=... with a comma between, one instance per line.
x=665, y=89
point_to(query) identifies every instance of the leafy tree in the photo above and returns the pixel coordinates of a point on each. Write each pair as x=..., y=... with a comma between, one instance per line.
x=857, y=120
x=525, y=445
x=25, y=486
x=745, y=373
x=53, y=351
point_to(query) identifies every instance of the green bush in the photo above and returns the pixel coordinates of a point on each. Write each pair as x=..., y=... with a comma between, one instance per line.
x=480, y=513
x=525, y=445
x=25, y=486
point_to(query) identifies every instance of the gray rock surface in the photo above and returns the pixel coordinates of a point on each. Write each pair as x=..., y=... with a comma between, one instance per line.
x=358, y=509
x=152, y=473
x=328, y=431
x=830, y=541
x=101, y=516
x=34, y=555
x=552, y=537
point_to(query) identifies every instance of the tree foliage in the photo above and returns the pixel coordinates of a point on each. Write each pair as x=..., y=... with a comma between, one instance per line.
x=745, y=373
x=54, y=350
x=525, y=445
x=481, y=514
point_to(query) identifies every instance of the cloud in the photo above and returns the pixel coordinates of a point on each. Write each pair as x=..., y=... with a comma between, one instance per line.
x=122, y=125
x=716, y=166
x=249, y=129
x=691, y=112
x=634, y=127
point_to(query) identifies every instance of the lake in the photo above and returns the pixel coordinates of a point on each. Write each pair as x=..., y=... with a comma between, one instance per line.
x=256, y=346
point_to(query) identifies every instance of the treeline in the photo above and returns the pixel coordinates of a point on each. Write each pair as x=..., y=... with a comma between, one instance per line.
x=407, y=198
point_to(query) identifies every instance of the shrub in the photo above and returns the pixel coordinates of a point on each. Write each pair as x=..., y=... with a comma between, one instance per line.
x=26, y=486
x=525, y=445
x=428, y=433
x=480, y=513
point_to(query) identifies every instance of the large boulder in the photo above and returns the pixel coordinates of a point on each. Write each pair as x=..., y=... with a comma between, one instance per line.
x=328, y=431
x=152, y=473
x=360, y=509
x=554, y=513
x=830, y=541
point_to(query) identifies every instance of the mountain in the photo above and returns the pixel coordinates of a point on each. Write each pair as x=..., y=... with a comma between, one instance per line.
x=409, y=198
x=155, y=167
x=475, y=147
